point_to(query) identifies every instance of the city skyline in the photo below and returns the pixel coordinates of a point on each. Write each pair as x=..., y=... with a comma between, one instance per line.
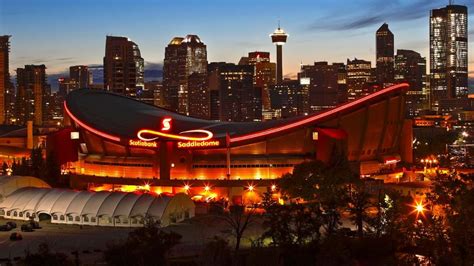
x=320, y=34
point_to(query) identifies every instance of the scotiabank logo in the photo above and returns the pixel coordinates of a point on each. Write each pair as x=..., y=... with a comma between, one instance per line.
x=141, y=143
x=166, y=124
x=198, y=144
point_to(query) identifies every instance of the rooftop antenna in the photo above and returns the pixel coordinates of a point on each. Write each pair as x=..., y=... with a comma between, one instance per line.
x=279, y=22
x=451, y=2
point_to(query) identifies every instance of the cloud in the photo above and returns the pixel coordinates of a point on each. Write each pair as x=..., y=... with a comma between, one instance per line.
x=375, y=12
x=153, y=65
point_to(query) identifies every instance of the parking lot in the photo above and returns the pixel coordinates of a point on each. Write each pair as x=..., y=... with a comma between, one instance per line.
x=91, y=241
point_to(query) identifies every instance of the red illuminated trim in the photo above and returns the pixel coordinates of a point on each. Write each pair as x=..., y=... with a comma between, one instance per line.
x=208, y=136
x=89, y=128
x=317, y=116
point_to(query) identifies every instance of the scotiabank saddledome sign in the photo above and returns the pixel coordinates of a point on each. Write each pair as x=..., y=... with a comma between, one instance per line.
x=196, y=138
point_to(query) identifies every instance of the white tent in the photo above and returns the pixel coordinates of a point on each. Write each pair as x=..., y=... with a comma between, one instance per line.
x=9, y=184
x=96, y=208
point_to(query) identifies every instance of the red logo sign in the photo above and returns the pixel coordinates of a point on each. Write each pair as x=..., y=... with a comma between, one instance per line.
x=166, y=124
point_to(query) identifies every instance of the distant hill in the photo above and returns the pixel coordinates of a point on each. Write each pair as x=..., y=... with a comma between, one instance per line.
x=153, y=71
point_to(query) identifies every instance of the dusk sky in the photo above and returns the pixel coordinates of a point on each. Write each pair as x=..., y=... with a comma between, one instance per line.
x=64, y=33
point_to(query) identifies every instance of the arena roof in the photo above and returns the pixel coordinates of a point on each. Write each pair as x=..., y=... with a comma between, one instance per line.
x=115, y=117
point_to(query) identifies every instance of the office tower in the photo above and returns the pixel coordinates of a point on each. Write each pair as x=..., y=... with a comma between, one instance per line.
x=5, y=85
x=410, y=67
x=279, y=39
x=198, y=93
x=448, y=58
x=289, y=99
x=183, y=57
x=81, y=76
x=237, y=96
x=359, y=77
x=323, y=85
x=123, y=66
x=31, y=92
x=264, y=74
x=65, y=86
x=341, y=82
x=155, y=88
x=384, y=56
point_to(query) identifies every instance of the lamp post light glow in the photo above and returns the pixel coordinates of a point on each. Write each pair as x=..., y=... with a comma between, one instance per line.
x=419, y=208
x=273, y=187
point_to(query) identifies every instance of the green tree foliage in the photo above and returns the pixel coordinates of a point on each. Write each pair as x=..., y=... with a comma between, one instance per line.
x=148, y=245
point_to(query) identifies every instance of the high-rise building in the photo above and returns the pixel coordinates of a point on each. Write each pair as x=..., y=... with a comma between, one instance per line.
x=289, y=99
x=81, y=75
x=199, y=95
x=448, y=57
x=384, y=56
x=32, y=91
x=123, y=66
x=359, y=78
x=279, y=39
x=237, y=98
x=264, y=73
x=5, y=85
x=410, y=68
x=183, y=57
x=341, y=81
x=65, y=86
x=323, y=85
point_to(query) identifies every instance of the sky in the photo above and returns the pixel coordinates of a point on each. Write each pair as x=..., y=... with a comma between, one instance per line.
x=60, y=33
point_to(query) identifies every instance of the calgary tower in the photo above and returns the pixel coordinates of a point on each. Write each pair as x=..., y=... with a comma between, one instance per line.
x=279, y=38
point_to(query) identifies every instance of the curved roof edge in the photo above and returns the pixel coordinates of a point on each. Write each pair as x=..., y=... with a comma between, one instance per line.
x=261, y=130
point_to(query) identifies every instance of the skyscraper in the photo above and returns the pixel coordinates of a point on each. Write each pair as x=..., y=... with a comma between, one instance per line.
x=32, y=91
x=264, y=73
x=279, y=39
x=81, y=75
x=410, y=67
x=359, y=74
x=289, y=99
x=237, y=98
x=123, y=66
x=448, y=57
x=324, y=87
x=384, y=55
x=183, y=57
x=4, y=77
x=198, y=93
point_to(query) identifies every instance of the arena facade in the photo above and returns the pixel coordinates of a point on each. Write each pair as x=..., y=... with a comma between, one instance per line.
x=124, y=144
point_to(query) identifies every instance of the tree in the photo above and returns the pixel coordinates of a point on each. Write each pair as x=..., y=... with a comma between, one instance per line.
x=237, y=218
x=295, y=224
x=454, y=194
x=148, y=245
x=4, y=168
x=359, y=203
x=37, y=163
x=51, y=171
